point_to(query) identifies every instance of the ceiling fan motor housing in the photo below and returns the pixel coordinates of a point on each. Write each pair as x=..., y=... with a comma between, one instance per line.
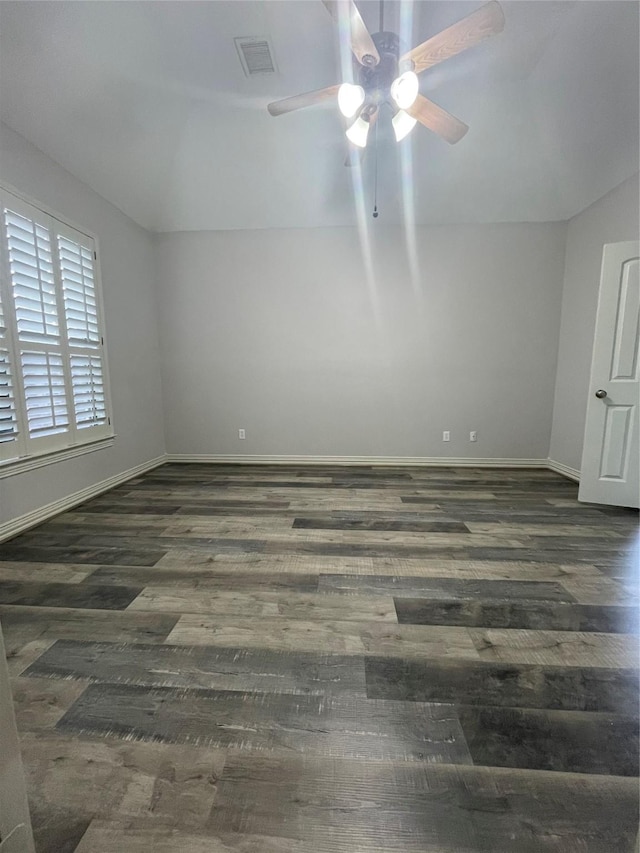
x=376, y=80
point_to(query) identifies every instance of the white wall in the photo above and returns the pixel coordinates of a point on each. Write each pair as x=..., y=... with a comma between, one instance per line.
x=281, y=333
x=611, y=219
x=126, y=255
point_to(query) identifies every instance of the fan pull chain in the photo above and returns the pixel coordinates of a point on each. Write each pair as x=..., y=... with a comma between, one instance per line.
x=375, y=179
x=375, y=141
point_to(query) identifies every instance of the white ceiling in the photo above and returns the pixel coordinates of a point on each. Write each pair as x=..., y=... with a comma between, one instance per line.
x=148, y=104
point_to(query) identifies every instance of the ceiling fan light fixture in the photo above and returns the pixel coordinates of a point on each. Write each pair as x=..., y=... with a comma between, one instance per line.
x=403, y=124
x=358, y=132
x=404, y=89
x=350, y=99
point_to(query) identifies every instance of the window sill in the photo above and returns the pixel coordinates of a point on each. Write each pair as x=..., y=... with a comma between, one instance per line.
x=30, y=463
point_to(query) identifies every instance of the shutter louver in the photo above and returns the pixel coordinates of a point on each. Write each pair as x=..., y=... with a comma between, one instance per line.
x=8, y=418
x=76, y=269
x=83, y=332
x=34, y=289
x=88, y=391
x=36, y=318
x=8, y=414
x=45, y=395
x=3, y=321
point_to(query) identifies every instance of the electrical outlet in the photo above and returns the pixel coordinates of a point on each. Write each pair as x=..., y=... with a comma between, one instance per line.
x=473, y=435
x=241, y=433
x=446, y=435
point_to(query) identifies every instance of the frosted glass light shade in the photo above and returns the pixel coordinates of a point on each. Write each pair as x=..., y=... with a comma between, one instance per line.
x=403, y=124
x=358, y=132
x=350, y=99
x=404, y=89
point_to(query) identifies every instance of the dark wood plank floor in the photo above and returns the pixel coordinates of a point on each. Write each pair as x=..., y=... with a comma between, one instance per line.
x=328, y=660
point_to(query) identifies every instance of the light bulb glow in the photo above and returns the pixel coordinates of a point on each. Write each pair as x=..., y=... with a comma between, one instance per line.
x=403, y=124
x=404, y=89
x=350, y=99
x=358, y=132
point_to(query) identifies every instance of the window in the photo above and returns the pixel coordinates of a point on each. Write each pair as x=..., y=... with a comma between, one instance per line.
x=53, y=385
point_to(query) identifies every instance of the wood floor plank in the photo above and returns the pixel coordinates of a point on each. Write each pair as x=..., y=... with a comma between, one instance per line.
x=375, y=524
x=44, y=572
x=527, y=529
x=185, y=560
x=181, y=559
x=568, y=688
x=445, y=588
x=275, y=634
x=212, y=668
x=86, y=596
x=351, y=637
x=519, y=613
x=137, y=835
x=600, y=590
x=208, y=580
x=66, y=623
x=563, y=741
x=137, y=508
x=367, y=806
x=556, y=647
x=457, y=549
x=289, y=604
x=195, y=528
x=80, y=554
x=339, y=726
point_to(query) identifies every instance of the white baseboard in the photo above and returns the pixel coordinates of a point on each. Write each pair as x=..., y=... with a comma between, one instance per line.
x=435, y=461
x=37, y=516
x=559, y=468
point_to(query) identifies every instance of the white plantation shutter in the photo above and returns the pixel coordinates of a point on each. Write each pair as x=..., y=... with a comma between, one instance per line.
x=88, y=391
x=38, y=334
x=45, y=393
x=53, y=388
x=77, y=272
x=34, y=289
x=8, y=418
x=78, y=287
x=8, y=414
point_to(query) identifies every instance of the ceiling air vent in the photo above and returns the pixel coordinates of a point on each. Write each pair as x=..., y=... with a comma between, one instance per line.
x=256, y=56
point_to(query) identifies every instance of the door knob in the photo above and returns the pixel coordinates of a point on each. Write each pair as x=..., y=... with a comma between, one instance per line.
x=601, y=394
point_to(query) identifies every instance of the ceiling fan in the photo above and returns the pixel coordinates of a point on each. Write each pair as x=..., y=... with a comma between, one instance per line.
x=385, y=77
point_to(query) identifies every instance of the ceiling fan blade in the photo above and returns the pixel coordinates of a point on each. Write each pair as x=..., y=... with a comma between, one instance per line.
x=438, y=120
x=362, y=44
x=298, y=102
x=479, y=25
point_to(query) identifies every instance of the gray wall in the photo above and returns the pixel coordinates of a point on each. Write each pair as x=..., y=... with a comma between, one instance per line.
x=126, y=255
x=612, y=219
x=281, y=332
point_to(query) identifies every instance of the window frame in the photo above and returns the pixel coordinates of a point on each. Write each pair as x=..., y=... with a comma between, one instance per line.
x=35, y=452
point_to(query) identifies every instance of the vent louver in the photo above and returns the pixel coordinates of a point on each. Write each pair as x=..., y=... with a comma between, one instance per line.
x=256, y=56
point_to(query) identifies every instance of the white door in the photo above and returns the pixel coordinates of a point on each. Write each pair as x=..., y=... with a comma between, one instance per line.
x=610, y=458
